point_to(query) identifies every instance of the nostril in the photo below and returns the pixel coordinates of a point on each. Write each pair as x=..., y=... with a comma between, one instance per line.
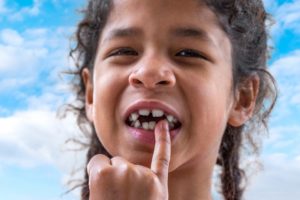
x=137, y=81
x=163, y=83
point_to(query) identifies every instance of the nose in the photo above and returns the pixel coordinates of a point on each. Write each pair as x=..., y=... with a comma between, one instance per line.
x=152, y=73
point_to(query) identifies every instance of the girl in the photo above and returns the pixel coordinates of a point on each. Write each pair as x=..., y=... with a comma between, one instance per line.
x=170, y=89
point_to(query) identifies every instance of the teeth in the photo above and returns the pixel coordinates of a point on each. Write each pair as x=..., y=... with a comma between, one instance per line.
x=152, y=125
x=144, y=112
x=145, y=125
x=171, y=118
x=157, y=113
x=171, y=125
x=175, y=120
x=149, y=125
x=133, y=117
x=137, y=124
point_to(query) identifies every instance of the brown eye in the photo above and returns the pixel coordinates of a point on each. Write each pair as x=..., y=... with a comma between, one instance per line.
x=190, y=53
x=124, y=52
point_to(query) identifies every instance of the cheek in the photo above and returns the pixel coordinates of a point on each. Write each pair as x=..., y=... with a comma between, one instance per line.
x=208, y=106
x=209, y=100
x=207, y=127
x=107, y=90
x=210, y=113
x=108, y=87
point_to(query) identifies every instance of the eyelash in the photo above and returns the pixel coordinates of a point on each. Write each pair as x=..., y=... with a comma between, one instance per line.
x=132, y=52
x=124, y=51
x=191, y=53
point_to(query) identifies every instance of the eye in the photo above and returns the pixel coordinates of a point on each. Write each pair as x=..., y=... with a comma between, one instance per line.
x=123, y=52
x=190, y=53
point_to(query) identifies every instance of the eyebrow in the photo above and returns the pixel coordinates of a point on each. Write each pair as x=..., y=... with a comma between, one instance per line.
x=192, y=33
x=185, y=32
x=123, y=33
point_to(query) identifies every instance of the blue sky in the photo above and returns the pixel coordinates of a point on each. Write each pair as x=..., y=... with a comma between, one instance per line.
x=35, y=163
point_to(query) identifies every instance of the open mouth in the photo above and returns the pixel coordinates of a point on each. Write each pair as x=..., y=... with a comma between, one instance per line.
x=147, y=118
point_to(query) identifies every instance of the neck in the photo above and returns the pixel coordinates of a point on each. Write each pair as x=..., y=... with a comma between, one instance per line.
x=190, y=182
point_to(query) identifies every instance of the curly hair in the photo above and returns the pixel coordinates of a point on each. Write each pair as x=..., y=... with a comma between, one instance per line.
x=244, y=22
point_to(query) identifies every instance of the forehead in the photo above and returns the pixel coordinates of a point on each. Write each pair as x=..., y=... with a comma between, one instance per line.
x=161, y=12
x=164, y=18
x=157, y=5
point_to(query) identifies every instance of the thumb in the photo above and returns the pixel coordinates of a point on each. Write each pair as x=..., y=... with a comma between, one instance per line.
x=162, y=151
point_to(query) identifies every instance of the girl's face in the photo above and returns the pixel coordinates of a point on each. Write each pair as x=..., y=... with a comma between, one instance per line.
x=164, y=54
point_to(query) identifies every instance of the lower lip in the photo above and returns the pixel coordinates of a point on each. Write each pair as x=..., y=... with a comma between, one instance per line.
x=148, y=137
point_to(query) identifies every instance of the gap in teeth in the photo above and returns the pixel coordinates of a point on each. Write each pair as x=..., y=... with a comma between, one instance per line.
x=137, y=119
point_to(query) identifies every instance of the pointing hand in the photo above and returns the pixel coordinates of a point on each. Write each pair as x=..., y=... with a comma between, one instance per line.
x=118, y=179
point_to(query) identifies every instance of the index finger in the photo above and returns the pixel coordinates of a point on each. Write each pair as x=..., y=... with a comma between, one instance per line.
x=162, y=151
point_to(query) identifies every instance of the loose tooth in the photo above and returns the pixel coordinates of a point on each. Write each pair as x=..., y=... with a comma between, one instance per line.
x=137, y=124
x=157, y=113
x=175, y=120
x=144, y=112
x=152, y=125
x=171, y=125
x=145, y=125
x=133, y=117
x=170, y=118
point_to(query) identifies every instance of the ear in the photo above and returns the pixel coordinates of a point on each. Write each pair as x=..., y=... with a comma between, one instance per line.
x=86, y=76
x=244, y=103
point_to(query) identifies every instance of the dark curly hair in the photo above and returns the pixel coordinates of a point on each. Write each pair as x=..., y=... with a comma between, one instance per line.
x=244, y=22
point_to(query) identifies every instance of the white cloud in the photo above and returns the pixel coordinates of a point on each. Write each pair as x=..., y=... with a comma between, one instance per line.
x=287, y=72
x=279, y=179
x=9, y=83
x=270, y=5
x=34, y=10
x=284, y=138
x=288, y=65
x=3, y=8
x=36, y=137
x=15, y=58
x=286, y=15
x=3, y=111
x=18, y=52
x=296, y=98
x=11, y=37
x=25, y=55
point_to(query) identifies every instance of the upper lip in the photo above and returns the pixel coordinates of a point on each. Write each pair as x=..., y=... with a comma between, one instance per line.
x=151, y=104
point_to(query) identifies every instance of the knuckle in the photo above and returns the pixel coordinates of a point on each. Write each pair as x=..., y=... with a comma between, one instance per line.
x=164, y=162
x=164, y=140
x=94, y=159
x=105, y=172
x=98, y=157
x=121, y=164
x=117, y=158
x=102, y=175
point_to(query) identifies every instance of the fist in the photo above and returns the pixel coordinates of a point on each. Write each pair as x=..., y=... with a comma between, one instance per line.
x=118, y=179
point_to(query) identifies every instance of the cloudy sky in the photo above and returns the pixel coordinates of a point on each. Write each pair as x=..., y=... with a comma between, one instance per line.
x=35, y=162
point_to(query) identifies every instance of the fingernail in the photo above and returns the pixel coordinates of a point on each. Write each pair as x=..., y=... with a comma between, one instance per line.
x=164, y=126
